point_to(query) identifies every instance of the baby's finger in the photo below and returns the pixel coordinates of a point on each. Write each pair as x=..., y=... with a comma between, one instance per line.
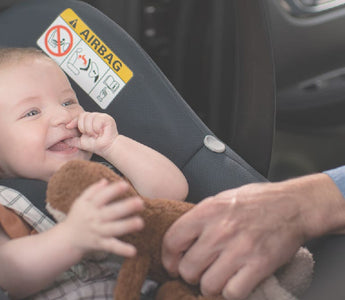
x=122, y=208
x=98, y=125
x=74, y=142
x=122, y=227
x=72, y=124
x=88, y=124
x=93, y=189
x=110, y=192
x=81, y=121
x=118, y=247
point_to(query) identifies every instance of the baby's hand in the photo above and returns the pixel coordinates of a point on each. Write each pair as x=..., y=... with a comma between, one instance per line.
x=94, y=223
x=98, y=132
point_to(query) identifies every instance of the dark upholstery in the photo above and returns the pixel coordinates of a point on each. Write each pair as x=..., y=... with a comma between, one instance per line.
x=148, y=109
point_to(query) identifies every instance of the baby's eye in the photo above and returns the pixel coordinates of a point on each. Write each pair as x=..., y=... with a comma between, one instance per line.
x=69, y=102
x=31, y=113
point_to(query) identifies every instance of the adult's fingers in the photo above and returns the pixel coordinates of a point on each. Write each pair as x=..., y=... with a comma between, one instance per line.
x=219, y=273
x=199, y=257
x=244, y=281
x=179, y=237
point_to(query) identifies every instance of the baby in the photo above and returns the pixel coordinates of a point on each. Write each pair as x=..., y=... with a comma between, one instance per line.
x=42, y=126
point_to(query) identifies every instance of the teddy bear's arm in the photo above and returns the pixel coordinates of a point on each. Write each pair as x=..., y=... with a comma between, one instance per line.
x=12, y=224
x=131, y=277
x=178, y=289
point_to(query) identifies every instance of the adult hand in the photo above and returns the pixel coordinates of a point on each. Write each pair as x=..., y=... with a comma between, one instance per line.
x=234, y=240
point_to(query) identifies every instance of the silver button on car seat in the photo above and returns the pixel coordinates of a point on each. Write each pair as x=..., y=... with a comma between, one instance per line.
x=214, y=144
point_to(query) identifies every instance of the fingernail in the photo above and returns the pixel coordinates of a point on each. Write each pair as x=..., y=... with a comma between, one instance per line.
x=124, y=183
x=132, y=251
x=140, y=223
x=103, y=181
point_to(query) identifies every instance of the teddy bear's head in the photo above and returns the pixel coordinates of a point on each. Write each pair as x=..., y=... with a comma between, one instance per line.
x=61, y=193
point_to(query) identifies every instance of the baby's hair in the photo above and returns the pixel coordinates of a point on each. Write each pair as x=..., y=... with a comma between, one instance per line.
x=14, y=55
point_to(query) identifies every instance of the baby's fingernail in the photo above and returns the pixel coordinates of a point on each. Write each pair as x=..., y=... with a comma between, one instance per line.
x=124, y=183
x=140, y=202
x=103, y=181
x=141, y=224
x=72, y=123
x=132, y=251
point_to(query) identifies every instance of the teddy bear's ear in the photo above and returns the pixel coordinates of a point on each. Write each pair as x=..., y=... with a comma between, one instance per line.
x=73, y=178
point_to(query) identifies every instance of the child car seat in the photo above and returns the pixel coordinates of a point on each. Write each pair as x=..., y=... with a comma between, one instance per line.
x=147, y=108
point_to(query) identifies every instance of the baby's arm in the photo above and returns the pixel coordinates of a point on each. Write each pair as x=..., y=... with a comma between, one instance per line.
x=152, y=174
x=31, y=263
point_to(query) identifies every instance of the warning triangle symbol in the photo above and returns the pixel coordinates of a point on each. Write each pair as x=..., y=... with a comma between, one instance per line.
x=74, y=23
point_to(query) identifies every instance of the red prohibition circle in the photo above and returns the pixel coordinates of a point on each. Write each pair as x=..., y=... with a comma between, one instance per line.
x=58, y=29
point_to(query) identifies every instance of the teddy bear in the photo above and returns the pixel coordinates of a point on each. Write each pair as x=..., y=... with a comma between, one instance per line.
x=159, y=214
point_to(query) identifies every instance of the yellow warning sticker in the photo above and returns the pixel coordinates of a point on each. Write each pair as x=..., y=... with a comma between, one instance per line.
x=85, y=57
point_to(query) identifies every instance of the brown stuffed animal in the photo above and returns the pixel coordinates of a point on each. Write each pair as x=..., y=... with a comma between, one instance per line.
x=75, y=176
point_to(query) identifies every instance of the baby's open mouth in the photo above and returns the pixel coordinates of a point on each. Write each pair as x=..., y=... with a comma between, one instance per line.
x=60, y=146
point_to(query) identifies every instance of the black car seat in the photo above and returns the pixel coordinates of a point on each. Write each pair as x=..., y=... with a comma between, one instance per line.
x=147, y=108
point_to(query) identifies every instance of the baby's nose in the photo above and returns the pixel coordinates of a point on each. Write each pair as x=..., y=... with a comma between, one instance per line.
x=62, y=117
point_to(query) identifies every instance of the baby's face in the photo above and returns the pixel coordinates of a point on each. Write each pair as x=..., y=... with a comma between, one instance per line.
x=36, y=103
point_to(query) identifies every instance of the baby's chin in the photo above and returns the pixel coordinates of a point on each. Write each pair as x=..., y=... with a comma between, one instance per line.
x=60, y=161
x=85, y=155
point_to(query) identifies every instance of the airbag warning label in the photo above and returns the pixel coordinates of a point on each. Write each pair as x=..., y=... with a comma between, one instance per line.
x=85, y=58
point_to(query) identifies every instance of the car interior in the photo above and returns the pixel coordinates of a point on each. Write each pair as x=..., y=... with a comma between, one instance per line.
x=233, y=92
